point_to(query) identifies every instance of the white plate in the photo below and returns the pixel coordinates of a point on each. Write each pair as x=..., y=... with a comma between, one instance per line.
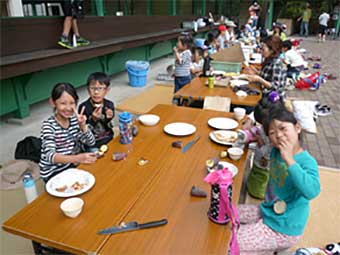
x=179, y=129
x=68, y=178
x=217, y=72
x=225, y=133
x=239, y=82
x=231, y=167
x=223, y=123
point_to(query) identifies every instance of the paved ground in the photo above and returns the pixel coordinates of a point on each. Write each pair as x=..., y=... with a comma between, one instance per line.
x=325, y=145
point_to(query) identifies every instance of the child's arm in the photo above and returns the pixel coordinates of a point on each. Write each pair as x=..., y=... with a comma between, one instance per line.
x=109, y=111
x=82, y=158
x=306, y=178
x=177, y=55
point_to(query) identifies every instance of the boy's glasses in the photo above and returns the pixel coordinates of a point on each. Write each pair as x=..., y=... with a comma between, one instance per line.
x=100, y=89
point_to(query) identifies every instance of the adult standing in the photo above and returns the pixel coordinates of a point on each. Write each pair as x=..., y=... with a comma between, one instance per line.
x=254, y=13
x=306, y=15
x=73, y=9
x=323, y=23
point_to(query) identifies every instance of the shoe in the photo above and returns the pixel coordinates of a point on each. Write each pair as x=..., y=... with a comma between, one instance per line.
x=323, y=110
x=82, y=42
x=65, y=42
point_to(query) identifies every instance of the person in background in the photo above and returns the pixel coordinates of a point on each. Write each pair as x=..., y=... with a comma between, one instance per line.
x=294, y=61
x=230, y=34
x=99, y=111
x=221, y=39
x=73, y=9
x=254, y=13
x=211, y=42
x=279, y=31
x=64, y=133
x=280, y=221
x=183, y=57
x=198, y=61
x=273, y=75
x=306, y=16
x=323, y=24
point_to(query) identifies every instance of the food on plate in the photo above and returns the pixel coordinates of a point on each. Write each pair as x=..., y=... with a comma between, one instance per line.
x=177, y=144
x=119, y=156
x=62, y=188
x=210, y=163
x=229, y=137
x=78, y=186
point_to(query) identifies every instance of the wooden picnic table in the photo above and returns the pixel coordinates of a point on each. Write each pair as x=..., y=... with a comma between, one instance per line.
x=125, y=191
x=198, y=90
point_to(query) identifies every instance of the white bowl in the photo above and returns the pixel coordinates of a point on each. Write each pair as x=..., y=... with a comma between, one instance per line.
x=235, y=153
x=149, y=119
x=239, y=113
x=72, y=207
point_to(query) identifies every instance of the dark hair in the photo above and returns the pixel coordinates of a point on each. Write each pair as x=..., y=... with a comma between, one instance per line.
x=199, y=50
x=100, y=77
x=287, y=44
x=279, y=114
x=62, y=87
x=274, y=43
x=186, y=40
x=265, y=106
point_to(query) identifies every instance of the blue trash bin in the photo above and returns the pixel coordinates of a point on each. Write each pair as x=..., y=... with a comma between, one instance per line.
x=138, y=72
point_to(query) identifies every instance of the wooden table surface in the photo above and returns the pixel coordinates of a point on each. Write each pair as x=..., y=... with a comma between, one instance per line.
x=125, y=191
x=197, y=90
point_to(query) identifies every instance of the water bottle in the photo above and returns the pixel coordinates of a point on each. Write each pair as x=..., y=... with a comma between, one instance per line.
x=30, y=187
x=74, y=40
x=125, y=127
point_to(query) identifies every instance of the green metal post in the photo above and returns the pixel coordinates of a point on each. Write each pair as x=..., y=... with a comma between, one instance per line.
x=219, y=7
x=149, y=7
x=270, y=17
x=100, y=7
x=337, y=28
x=19, y=84
x=126, y=8
x=173, y=9
x=204, y=7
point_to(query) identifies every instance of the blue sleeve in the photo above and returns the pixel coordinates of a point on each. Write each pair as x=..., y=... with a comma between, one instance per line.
x=306, y=178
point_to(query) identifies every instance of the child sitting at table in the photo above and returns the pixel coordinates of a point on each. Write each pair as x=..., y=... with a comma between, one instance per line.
x=99, y=110
x=183, y=61
x=279, y=222
x=294, y=61
x=221, y=37
x=211, y=42
x=197, y=63
x=63, y=133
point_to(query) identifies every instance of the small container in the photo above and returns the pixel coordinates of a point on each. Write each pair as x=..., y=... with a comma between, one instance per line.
x=30, y=188
x=72, y=207
x=211, y=82
x=125, y=128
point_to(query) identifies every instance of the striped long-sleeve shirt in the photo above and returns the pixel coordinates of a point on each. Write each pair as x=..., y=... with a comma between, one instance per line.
x=56, y=139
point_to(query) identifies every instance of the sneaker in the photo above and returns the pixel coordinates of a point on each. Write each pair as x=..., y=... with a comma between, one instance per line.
x=82, y=42
x=65, y=42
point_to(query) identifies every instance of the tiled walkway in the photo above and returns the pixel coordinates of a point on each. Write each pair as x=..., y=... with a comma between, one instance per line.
x=325, y=145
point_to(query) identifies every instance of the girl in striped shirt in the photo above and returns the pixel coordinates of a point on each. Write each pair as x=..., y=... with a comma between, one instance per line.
x=63, y=133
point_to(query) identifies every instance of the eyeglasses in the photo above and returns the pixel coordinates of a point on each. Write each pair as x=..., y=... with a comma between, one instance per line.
x=100, y=89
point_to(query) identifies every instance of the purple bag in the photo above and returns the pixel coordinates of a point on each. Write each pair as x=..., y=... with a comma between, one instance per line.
x=221, y=209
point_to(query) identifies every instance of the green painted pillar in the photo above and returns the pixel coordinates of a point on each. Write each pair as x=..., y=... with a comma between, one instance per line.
x=100, y=7
x=204, y=8
x=149, y=7
x=173, y=8
x=126, y=8
x=337, y=28
x=270, y=15
x=219, y=7
x=19, y=84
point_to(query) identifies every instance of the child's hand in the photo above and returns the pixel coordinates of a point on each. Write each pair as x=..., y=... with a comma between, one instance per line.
x=97, y=113
x=287, y=151
x=81, y=119
x=247, y=124
x=175, y=49
x=109, y=113
x=87, y=158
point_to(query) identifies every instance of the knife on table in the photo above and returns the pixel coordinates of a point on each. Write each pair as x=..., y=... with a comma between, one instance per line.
x=190, y=144
x=131, y=226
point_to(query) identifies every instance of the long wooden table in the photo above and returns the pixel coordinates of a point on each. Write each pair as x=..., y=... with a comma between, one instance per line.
x=197, y=90
x=125, y=191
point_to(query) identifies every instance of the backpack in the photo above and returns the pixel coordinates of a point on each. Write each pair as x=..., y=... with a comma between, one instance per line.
x=29, y=148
